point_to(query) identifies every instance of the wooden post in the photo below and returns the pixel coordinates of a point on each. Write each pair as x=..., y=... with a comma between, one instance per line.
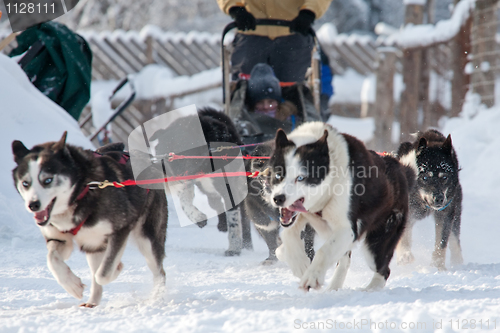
x=227, y=76
x=425, y=75
x=484, y=50
x=427, y=55
x=414, y=14
x=460, y=50
x=384, y=98
x=149, y=50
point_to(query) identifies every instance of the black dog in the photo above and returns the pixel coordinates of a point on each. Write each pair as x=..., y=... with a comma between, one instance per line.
x=217, y=128
x=437, y=192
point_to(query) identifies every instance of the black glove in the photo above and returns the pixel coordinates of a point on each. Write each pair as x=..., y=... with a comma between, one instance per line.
x=244, y=20
x=302, y=23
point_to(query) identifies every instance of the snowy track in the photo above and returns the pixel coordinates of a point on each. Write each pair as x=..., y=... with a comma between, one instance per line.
x=207, y=292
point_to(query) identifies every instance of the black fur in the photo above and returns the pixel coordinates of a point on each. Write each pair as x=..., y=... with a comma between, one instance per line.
x=439, y=178
x=218, y=130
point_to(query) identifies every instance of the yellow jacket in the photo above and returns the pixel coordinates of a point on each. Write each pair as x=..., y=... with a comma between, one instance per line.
x=275, y=9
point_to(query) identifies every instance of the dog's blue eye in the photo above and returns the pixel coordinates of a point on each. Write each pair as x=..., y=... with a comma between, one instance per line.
x=300, y=178
x=278, y=176
x=47, y=181
x=444, y=177
x=25, y=184
x=424, y=177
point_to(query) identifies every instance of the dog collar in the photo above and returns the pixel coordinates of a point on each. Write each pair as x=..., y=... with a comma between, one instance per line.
x=75, y=230
x=442, y=208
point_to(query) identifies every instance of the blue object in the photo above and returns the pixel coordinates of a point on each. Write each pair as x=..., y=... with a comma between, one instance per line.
x=326, y=80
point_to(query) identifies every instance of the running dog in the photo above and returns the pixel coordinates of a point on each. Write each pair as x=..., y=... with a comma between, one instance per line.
x=347, y=193
x=217, y=129
x=438, y=192
x=258, y=209
x=53, y=179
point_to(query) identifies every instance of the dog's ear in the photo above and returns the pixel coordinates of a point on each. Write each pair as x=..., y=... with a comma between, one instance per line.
x=59, y=145
x=281, y=139
x=447, y=145
x=422, y=144
x=322, y=140
x=19, y=150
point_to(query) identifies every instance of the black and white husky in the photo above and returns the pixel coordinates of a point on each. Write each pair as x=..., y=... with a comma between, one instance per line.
x=346, y=193
x=437, y=192
x=53, y=180
x=258, y=208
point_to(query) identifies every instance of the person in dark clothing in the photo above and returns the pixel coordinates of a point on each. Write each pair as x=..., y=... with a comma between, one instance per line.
x=286, y=50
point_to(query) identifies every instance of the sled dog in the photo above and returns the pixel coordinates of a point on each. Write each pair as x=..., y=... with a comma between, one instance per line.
x=258, y=207
x=53, y=179
x=437, y=192
x=217, y=128
x=347, y=193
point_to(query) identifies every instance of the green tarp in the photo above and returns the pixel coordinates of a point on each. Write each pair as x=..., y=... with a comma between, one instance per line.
x=62, y=71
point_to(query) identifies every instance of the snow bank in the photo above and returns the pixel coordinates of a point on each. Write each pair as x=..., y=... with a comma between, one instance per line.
x=29, y=116
x=426, y=34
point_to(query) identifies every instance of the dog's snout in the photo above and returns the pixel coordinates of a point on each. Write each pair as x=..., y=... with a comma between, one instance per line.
x=34, y=206
x=439, y=198
x=279, y=199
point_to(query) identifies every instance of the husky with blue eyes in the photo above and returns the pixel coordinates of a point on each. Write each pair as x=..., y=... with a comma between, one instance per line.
x=438, y=192
x=53, y=179
x=348, y=195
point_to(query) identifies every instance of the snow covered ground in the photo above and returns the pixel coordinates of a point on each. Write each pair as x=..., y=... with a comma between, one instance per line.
x=207, y=292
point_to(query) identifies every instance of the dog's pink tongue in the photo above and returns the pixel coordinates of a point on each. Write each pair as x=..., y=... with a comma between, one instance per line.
x=42, y=216
x=298, y=206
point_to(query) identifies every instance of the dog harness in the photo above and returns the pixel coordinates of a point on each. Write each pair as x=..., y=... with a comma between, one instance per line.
x=123, y=160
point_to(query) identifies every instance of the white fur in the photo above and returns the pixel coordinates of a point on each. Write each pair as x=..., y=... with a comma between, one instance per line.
x=292, y=249
x=340, y=272
x=410, y=160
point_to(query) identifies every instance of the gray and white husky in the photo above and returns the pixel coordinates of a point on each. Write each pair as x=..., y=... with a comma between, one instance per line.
x=346, y=193
x=53, y=180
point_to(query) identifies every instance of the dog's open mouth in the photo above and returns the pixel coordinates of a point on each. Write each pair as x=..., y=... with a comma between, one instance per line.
x=42, y=217
x=289, y=214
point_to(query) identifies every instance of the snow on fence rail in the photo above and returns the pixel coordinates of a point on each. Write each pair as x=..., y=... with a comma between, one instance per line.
x=119, y=53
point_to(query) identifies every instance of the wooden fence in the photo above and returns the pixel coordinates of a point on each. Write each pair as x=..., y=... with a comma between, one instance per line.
x=119, y=53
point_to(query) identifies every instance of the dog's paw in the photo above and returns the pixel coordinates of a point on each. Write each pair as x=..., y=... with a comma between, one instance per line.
x=232, y=253
x=88, y=305
x=201, y=224
x=312, y=278
x=269, y=261
x=406, y=258
x=73, y=285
